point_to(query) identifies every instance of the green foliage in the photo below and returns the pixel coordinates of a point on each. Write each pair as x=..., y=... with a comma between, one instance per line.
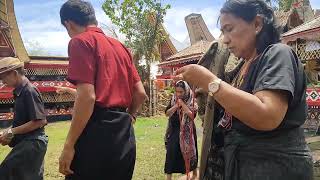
x=36, y=49
x=151, y=151
x=284, y=5
x=140, y=21
x=170, y=90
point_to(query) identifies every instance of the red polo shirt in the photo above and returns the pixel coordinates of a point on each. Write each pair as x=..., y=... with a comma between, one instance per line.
x=104, y=62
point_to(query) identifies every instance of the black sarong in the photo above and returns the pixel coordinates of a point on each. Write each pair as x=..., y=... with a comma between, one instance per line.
x=281, y=156
x=106, y=148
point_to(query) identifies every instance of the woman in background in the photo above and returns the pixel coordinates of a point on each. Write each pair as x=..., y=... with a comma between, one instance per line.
x=181, y=138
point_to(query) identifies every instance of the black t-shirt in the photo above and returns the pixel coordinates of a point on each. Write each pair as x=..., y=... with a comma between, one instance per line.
x=277, y=68
x=28, y=107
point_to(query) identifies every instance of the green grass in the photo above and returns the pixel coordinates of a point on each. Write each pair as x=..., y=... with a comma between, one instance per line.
x=150, y=148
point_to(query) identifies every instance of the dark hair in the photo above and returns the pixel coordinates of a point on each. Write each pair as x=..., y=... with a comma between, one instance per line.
x=180, y=84
x=78, y=11
x=248, y=10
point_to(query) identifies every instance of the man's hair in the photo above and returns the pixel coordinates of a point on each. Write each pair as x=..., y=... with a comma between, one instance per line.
x=78, y=11
x=20, y=71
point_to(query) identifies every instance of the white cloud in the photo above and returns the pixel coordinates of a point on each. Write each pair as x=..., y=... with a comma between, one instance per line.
x=55, y=42
x=103, y=19
x=40, y=23
x=175, y=24
x=49, y=34
x=44, y=26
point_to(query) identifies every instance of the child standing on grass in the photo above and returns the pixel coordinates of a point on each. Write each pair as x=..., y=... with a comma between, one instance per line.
x=26, y=136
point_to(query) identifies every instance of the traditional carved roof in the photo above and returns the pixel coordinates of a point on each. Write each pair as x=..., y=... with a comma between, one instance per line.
x=191, y=53
x=309, y=31
x=167, y=48
x=197, y=28
x=200, y=38
x=47, y=89
x=317, y=12
x=10, y=32
x=304, y=9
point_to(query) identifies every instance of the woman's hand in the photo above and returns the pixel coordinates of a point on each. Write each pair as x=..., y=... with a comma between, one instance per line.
x=179, y=103
x=196, y=75
x=185, y=108
x=172, y=110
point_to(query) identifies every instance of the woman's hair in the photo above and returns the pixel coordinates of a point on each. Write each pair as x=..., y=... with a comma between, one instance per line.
x=180, y=84
x=248, y=10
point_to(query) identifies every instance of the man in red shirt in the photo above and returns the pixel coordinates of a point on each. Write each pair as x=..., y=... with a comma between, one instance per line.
x=100, y=143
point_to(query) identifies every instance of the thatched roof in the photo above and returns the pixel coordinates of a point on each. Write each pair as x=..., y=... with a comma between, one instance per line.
x=167, y=48
x=309, y=30
x=191, y=53
x=197, y=29
x=317, y=13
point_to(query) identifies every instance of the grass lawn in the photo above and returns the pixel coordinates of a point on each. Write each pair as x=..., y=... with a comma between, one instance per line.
x=150, y=148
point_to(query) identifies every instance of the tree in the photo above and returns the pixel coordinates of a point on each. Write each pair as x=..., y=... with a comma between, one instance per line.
x=36, y=49
x=109, y=30
x=140, y=21
x=284, y=5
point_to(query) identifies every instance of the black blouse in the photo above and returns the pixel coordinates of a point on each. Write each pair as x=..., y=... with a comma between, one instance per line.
x=278, y=68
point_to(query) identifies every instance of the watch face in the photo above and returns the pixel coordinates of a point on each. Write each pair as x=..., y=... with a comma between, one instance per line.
x=213, y=87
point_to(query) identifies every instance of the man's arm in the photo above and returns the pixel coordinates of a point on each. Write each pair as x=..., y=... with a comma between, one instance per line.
x=138, y=98
x=23, y=129
x=63, y=90
x=83, y=109
x=29, y=126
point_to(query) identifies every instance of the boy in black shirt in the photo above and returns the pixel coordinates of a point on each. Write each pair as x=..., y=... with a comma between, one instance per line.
x=26, y=136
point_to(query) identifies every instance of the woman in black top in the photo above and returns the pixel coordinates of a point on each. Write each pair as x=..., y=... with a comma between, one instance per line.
x=181, y=137
x=264, y=106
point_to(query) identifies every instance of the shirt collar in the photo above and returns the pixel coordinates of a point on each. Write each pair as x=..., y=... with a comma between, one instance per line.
x=17, y=91
x=94, y=29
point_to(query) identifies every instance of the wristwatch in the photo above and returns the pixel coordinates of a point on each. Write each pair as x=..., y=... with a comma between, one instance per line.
x=214, y=86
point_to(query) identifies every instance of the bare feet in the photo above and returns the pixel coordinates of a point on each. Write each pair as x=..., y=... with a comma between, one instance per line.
x=194, y=175
x=169, y=176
